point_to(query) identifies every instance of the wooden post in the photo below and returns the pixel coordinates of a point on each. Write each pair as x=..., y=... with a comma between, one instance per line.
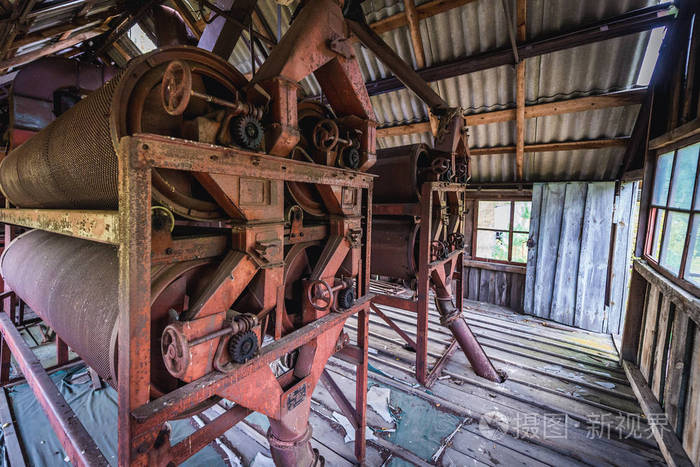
x=520, y=95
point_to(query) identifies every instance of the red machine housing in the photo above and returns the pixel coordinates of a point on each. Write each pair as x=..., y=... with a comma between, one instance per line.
x=211, y=253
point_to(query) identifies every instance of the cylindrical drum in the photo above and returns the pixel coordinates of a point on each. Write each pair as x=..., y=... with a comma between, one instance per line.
x=72, y=285
x=394, y=247
x=401, y=171
x=72, y=163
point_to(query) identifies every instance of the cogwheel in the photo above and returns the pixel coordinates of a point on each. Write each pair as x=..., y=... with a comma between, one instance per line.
x=346, y=299
x=243, y=346
x=247, y=131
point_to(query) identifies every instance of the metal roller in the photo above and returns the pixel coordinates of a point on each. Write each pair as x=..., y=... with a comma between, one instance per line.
x=395, y=247
x=72, y=163
x=72, y=285
x=402, y=170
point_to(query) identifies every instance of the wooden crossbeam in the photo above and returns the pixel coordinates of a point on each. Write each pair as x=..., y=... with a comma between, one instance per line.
x=551, y=147
x=580, y=104
x=629, y=23
x=425, y=10
x=61, y=29
x=50, y=49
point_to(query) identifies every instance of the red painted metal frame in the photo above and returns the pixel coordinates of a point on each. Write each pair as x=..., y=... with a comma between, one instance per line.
x=140, y=420
x=427, y=376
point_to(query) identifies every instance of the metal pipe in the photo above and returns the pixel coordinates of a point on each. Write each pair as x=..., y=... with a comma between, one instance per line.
x=452, y=318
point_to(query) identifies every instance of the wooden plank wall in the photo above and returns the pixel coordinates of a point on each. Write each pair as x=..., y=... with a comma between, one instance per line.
x=624, y=231
x=567, y=269
x=504, y=288
x=666, y=341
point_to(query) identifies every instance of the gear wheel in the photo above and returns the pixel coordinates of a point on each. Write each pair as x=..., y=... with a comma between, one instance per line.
x=346, y=299
x=247, y=131
x=351, y=158
x=243, y=346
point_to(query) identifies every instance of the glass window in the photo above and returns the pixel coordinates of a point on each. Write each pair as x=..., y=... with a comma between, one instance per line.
x=684, y=177
x=674, y=218
x=492, y=244
x=494, y=214
x=674, y=241
x=692, y=265
x=662, y=178
x=521, y=216
x=520, y=247
x=502, y=230
x=658, y=230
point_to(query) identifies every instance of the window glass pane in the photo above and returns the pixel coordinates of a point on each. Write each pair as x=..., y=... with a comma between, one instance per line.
x=658, y=230
x=662, y=178
x=521, y=216
x=674, y=241
x=520, y=247
x=684, y=177
x=492, y=245
x=494, y=214
x=692, y=265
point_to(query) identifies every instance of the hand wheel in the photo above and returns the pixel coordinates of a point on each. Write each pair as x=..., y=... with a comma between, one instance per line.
x=319, y=290
x=176, y=87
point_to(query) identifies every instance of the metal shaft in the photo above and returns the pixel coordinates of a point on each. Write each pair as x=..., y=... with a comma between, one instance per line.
x=451, y=317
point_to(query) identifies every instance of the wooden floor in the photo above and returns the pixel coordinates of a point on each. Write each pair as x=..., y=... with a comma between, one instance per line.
x=566, y=401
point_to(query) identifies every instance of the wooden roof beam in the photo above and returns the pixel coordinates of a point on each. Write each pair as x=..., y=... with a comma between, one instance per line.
x=551, y=147
x=414, y=29
x=520, y=93
x=629, y=23
x=425, y=10
x=580, y=104
x=64, y=29
x=189, y=19
x=50, y=49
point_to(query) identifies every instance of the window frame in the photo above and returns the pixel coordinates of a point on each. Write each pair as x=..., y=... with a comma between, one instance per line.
x=654, y=210
x=475, y=229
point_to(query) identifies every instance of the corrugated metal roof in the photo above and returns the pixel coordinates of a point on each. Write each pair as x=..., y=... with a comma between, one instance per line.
x=476, y=27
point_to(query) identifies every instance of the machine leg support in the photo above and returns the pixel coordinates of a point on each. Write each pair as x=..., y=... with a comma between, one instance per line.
x=452, y=318
x=288, y=451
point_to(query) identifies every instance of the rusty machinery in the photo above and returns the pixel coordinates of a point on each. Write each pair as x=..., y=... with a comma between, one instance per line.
x=419, y=218
x=189, y=262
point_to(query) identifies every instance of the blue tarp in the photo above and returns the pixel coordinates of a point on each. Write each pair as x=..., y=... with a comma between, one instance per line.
x=96, y=409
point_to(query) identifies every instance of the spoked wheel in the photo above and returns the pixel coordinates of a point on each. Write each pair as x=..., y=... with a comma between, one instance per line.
x=298, y=265
x=311, y=115
x=173, y=287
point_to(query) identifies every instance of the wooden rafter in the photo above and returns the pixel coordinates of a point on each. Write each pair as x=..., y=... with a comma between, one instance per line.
x=189, y=18
x=50, y=49
x=616, y=99
x=262, y=25
x=64, y=29
x=414, y=29
x=633, y=22
x=550, y=147
x=18, y=18
x=425, y=10
x=521, y=17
